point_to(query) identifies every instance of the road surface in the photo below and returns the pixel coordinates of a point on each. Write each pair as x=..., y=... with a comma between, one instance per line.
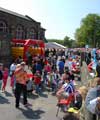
x=43, y=107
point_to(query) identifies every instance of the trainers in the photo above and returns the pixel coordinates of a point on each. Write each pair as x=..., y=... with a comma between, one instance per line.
x=27, y=104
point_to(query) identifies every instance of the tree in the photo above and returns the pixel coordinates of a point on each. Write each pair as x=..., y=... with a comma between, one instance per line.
x=65, y=42
x=89, y=31
x=69, y=42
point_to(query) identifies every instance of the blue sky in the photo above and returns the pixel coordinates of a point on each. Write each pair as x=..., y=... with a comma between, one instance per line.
x=59, y=17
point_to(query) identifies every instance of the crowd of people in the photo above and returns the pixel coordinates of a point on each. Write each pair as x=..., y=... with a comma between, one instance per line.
x=57, y=71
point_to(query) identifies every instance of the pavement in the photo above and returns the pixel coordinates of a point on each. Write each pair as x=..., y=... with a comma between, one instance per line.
x=43, y=107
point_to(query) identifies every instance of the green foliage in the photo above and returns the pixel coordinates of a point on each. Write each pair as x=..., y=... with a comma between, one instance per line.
x=89, y=31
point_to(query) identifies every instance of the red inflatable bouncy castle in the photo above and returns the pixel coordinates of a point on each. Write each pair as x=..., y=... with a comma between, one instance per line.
x=20, y=47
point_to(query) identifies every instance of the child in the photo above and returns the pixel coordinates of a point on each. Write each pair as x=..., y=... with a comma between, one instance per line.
x=37, y=81
x=49, y=79
x=5, y=77
x=56, y=81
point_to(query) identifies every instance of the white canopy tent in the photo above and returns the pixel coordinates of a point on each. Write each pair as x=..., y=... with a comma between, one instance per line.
x=55, y=45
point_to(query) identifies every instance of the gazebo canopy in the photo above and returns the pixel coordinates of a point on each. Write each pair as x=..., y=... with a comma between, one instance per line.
x=54, y=45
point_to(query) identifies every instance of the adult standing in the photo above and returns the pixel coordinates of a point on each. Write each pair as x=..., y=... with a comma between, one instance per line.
x=92, y=101
x=21, y=79
x=61, y=66
x=38, y=66
x=12, y=68
x=29, y=57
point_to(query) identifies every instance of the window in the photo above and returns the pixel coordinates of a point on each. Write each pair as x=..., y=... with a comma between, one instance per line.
x=32, y=33
x=19, y=32
x=3, y=26
x=3, y=44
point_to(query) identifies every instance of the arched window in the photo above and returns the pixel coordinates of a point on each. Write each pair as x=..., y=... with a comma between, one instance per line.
x=3, y=26
x=19, y=32
x=32, y=33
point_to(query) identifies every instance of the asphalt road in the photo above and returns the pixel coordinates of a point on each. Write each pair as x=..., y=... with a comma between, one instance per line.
x=43, y=107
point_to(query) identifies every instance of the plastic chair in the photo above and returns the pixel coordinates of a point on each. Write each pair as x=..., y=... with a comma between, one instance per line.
x=66, y=102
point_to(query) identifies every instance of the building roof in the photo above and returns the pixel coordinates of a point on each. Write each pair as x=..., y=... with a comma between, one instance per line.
x=13, y=13
x=19, y=15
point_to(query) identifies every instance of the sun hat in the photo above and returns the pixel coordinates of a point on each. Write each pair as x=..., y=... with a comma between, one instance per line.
x=18, y=65
x=23, y=63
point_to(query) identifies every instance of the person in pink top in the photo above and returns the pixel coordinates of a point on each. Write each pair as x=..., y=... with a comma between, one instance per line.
x=5, y=77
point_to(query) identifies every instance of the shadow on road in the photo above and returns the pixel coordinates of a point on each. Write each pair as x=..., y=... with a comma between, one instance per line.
x=43, y=95
x=3, y=100
x=8, y=94
x=33, y=96
x=31, y=114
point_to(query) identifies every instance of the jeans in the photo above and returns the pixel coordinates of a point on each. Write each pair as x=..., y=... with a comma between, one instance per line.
x=37, y=89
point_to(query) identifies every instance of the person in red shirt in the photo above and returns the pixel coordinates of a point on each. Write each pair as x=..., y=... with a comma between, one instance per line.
x=5, y=77
x=37, y=81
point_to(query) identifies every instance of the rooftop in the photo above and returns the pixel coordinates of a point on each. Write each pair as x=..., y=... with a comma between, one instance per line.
x=17, y=14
